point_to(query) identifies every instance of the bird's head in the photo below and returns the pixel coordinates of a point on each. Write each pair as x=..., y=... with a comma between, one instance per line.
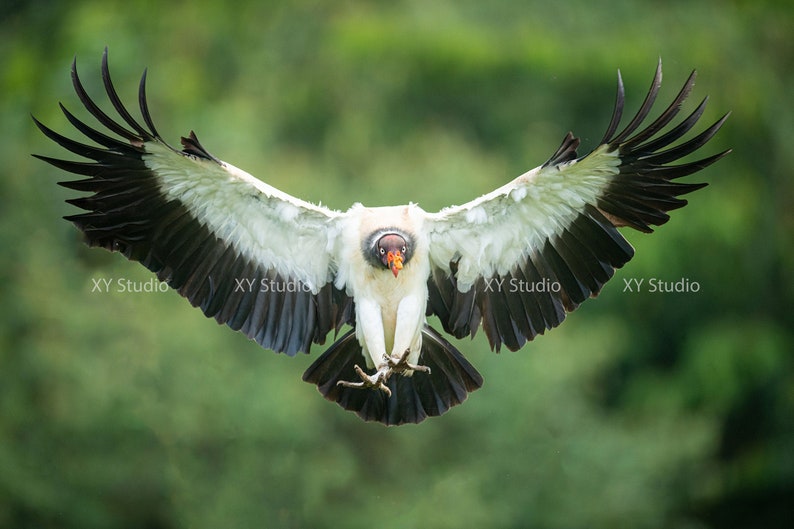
x=389, y=249
x=392, y=249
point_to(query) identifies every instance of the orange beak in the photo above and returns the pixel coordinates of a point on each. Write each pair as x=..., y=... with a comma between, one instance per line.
x=395, y=261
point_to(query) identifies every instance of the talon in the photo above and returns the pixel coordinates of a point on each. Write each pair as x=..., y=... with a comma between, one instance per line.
x=390, y=366
x=417, y=367
x=384, y=388
x=395, y=361
x=375, y=381
x=400, y=364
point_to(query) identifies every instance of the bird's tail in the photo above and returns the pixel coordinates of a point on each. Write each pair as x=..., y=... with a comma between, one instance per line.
x=413, y=398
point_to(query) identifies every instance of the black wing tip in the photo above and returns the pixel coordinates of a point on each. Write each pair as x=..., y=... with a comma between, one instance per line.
x=617, y=110
x=642, y=113
x=191, y=145
x=629, y=137
x=566, y=152
x=646, y=187
x=139, y=134
x=41, y=126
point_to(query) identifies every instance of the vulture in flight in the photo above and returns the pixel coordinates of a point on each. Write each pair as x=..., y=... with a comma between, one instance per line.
x=287, y=272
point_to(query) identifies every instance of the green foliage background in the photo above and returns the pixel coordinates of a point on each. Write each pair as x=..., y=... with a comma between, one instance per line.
x=643, y=410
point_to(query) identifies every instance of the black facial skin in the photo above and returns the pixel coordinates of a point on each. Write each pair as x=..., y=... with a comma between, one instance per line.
x=378, y=245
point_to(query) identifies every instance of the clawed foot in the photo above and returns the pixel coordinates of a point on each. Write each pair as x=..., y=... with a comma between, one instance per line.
x=369, y=381
x=393, y=364
x=400, y=364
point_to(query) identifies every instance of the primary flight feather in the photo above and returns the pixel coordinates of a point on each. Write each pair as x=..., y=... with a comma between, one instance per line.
x=287, y=272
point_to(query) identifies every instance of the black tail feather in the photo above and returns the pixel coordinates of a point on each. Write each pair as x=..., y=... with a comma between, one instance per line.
x=413, y=398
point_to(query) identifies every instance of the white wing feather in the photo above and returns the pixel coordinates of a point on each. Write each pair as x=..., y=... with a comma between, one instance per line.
x=277, y=230
x=493, y=233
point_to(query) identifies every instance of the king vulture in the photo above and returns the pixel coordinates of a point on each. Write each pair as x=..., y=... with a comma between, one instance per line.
x=287, y=272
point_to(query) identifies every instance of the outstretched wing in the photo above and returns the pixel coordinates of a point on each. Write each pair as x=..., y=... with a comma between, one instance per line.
x=251, y=256
x=521, y=257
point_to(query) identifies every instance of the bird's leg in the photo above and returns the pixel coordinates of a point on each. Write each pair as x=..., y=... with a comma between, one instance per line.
x=375, y=381
x=399, y=364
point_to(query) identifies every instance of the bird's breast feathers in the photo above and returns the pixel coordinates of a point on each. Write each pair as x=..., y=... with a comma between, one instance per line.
x=398, y=302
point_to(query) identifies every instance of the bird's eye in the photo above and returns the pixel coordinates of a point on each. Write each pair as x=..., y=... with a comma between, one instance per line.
x=382, y=251
x=403, y=249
